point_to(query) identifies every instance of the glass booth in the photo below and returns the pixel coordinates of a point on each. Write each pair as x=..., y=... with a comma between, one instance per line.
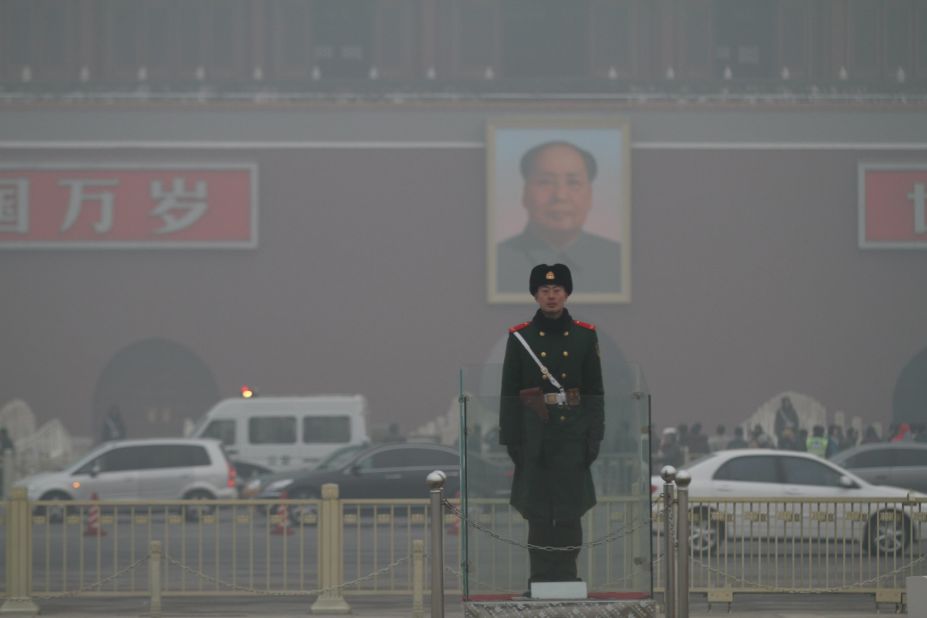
x=615, y=555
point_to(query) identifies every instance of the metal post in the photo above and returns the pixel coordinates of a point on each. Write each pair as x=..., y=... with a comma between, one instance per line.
x=8, y=473
x=154, y=577
x=418, y=578
x=668, y=474
x=435, y=481
x=331, y=569
x=18, y=556
x=683, y=479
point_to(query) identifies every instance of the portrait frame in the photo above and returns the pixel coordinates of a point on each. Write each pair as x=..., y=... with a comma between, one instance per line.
x=601, y=256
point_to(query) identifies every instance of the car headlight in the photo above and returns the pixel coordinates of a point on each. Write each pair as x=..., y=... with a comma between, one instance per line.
x=279, y=485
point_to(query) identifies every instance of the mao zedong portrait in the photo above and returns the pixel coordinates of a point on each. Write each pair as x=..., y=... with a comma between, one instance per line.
x=557, y=196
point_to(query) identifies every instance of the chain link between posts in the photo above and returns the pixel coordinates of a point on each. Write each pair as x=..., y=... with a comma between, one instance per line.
x=95, y=585
x=614, y=536
x=768, y=588
x=215, y=580
x=286, y=593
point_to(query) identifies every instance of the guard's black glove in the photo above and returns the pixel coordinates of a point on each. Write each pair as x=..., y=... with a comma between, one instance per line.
x=592, y=450
x=514, y=451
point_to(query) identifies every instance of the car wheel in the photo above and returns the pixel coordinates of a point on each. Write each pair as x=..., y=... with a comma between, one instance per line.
x=705, y=532
x=888, y=533
x=54, y=513
x=298, y=511
x=194, y=511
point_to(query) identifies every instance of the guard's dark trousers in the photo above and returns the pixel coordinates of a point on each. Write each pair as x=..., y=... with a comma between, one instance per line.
x=554, y=566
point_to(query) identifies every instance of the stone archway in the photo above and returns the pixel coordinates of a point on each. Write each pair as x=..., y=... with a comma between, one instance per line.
x=909, y=401
x=157, y=384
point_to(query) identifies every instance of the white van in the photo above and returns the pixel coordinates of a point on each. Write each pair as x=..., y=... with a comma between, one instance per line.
x=283, y=433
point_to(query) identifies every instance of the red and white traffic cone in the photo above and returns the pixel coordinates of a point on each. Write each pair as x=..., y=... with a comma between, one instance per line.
x=93, y=518
x=282, y=527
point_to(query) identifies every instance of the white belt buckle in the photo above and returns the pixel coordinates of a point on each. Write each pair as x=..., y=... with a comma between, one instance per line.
x=561, y=399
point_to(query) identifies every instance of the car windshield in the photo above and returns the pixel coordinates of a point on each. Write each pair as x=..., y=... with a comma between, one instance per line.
x=340, y=457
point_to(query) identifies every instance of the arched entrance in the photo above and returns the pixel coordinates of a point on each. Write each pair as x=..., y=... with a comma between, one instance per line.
x=909, y=401
x=157, y=384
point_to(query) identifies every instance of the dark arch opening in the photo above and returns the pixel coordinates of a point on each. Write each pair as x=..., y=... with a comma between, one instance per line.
x=157, y=384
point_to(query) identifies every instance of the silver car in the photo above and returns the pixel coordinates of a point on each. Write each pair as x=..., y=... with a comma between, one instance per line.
x=901, y=464
x=156, y=469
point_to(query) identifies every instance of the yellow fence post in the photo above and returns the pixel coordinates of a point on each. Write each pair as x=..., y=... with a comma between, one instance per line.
x=19, y=556
x=331, y=565
x=418, y=578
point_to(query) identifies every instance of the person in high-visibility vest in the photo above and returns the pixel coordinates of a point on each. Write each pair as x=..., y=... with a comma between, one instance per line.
x=817, y=442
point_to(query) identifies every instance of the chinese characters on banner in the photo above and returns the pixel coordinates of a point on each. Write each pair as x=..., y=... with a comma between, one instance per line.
x=893, y=206
x=128, y=206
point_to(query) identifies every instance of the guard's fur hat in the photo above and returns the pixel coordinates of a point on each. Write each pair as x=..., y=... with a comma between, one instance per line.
x=558, y=274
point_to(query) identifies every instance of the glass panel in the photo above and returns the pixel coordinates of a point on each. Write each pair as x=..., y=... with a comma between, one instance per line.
x=223, y=430
x=803, y=472
x=342, y=30
x=864, y=35
x=614, y=559
x=272, y=430
x=476, y=34
x=120, y=459
x=871, y=459
x=911, y=457
x=529, y=26
x=749, y=469
x=612, y=35
x=326, y=429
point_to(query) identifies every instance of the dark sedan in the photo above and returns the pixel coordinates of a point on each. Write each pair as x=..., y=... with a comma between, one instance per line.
x=395, y=471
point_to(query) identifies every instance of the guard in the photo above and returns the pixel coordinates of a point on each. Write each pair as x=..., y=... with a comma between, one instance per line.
x=552, y=420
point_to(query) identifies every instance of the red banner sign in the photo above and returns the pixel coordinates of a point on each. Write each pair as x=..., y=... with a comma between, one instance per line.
x=892, y=204
x=137, y=206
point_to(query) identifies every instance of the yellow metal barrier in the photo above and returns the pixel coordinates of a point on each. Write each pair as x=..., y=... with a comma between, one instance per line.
x=331, y=548
x=209, y=547
x=792, y=545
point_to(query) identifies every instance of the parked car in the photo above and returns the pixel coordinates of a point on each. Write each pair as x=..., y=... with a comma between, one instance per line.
x=764, y=473
x=255, y=484
x=170, y=468
x=902, y=464
x=247, y=472
x=394, y=471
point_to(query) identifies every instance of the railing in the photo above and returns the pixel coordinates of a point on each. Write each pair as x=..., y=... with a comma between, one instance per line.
x=793, y=545
x=342, y=548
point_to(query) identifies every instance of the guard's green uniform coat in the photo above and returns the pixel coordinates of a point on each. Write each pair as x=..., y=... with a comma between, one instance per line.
x=552, y=479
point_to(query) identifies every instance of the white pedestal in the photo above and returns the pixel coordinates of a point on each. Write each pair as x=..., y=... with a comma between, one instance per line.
x=558, y=590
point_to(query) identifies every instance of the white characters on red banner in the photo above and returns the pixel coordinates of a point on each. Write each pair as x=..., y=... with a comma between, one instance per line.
x=178, y=208
x=14, y=205
x=80, y=192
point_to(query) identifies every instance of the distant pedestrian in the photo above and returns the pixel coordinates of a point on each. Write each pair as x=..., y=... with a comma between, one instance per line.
x=870, y=436
x=786, y=416
x=113, y=426
x=788, y=441
x=718, y=442
x=903, y=434
x=817, y=443
x=738, y=440
x=698, y=442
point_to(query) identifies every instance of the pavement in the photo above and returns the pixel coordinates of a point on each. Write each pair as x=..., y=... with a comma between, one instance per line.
x=744, y=606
